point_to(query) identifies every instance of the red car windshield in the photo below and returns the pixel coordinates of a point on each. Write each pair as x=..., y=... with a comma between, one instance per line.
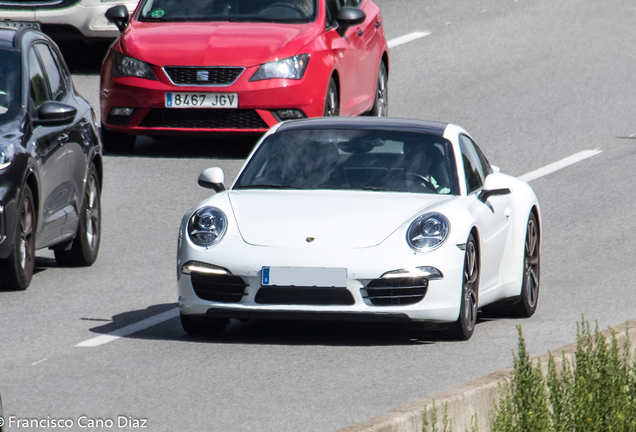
x=281, y=11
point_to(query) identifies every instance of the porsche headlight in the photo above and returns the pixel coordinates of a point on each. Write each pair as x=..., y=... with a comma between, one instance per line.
x=125, y=66
x=289, y=68
x=207, y=226
x=428, y=232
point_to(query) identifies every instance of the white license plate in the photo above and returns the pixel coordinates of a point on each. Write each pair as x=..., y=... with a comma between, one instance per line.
x=305, y=276
x=201, y=100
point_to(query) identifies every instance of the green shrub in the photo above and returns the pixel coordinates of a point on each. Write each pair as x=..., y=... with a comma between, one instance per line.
x=597, y=393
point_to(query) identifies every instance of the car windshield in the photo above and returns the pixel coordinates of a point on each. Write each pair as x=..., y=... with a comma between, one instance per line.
x=10, y=95
x=282, y=11
x=334, y=159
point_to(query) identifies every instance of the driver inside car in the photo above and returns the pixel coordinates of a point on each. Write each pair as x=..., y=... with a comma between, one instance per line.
x=420, y=162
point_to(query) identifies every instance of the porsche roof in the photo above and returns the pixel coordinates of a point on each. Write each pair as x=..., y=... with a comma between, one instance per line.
x=368, y=123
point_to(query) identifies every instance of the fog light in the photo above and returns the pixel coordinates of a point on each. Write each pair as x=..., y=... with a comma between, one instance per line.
x=123, y=112
x=203, y=268
x=289, y=114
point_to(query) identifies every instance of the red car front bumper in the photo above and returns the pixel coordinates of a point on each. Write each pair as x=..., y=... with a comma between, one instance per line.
x=257, y=103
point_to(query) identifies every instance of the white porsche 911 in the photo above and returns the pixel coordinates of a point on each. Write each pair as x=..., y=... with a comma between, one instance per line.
x=360, y=219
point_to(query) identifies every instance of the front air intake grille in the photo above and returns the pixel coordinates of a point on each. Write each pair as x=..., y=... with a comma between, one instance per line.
x=201, y=118
x=396, y=291
x=202, y=76
x=308, y=296
x=223, y=289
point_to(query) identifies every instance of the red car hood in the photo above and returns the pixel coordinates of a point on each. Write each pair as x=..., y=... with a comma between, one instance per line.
x=215, y=43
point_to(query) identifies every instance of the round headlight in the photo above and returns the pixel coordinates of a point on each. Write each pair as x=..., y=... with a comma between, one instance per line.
x=207, y=226
x=428, y=232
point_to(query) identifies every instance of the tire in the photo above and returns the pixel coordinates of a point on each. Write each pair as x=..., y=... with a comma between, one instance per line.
x=381, y=100
x=332, y=100
x=117, y=142
x=203, y=326
x=464, y=327
x=530, y=285
x=85, y=247
x=16, y=271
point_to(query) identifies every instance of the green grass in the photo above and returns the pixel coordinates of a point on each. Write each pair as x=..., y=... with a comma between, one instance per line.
x=595, y=393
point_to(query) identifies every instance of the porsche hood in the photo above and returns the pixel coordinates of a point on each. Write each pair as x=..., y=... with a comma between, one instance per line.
x=324, y=219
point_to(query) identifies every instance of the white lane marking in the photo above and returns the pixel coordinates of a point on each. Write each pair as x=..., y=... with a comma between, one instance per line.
x=406, y=38
x=553, y=167
x=33, y=364
x=130, y=329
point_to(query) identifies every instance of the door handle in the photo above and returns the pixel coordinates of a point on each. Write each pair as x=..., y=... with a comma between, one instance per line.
x=62, y=139
x=508, y=212
x=378, y=24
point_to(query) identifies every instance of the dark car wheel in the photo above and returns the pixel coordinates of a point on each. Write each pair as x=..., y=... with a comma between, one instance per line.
x=85, y=246
x=202, y=326
x=332, y=100
x=531, y=271
x=17, y=270
x=381, y=100
x=117, y=142
x=464, y=327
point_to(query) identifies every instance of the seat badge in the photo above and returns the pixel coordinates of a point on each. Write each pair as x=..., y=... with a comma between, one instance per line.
x=310, y=239
x=202, y=75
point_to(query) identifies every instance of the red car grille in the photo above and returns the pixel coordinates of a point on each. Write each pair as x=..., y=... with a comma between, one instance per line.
x=204, y=76
x=200, y=118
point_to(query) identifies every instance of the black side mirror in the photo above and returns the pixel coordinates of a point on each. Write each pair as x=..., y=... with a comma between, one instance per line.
x=349, y=16
x=118, y=15
x=53, y=113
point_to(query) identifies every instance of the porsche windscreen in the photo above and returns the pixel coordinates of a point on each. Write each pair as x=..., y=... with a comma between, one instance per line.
x=281, y=11
x=353, y=159
x=9, y=85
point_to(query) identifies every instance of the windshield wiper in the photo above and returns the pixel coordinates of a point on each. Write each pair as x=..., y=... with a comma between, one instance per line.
x=154, y=20
x=369, y=188
x=266, y=186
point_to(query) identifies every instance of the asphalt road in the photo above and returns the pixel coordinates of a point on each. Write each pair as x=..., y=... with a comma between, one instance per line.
x=533, y=81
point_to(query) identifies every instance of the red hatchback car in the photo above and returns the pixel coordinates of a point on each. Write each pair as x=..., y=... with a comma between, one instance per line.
x=234, y=66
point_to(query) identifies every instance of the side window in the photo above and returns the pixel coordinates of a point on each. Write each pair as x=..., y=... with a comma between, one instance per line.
x=353, y=3
x=484, y=162
x=56, y=78
x=39, y=91
x=473, y=167
x=333, y=6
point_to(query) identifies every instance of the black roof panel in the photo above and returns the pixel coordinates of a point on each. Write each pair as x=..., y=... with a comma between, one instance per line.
x=369, y=123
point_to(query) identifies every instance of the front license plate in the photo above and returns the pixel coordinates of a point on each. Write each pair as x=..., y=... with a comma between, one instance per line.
x=305, y=276
x=201, y=100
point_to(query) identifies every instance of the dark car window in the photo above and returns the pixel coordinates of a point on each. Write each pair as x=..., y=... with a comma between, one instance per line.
x=473, y=166
x=228, y=10
x=353, y=159
x=333, y=6
x=10, y=89
x=38, y=90
x=56, y=81
x=353, y=3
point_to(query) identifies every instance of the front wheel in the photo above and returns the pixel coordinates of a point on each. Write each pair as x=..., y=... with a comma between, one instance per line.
x=332, y=101
x=203, y=326
x=464, y=327
x=381, y=100
x=16, y=271
x=531, y=271
x=85, y=248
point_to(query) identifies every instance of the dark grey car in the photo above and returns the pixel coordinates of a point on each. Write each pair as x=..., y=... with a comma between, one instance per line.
x=50, y=159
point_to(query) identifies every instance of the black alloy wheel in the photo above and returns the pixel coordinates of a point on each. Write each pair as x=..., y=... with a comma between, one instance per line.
x=531, y=271
x=117, y=142
x=381, y=100
x=464, y=327
x=203, y=326
x=83, y=252
x=332, y=100
x=16, y=271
